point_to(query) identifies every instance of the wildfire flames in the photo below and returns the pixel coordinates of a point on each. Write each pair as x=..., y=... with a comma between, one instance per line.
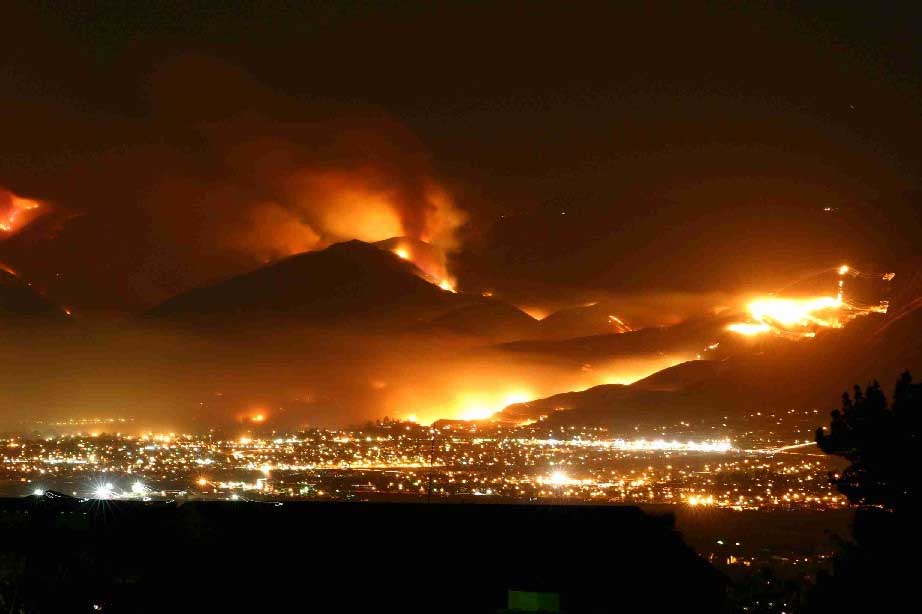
x=481, y=393
x=428, y=258
x=804, y=316
x=800, y=316
x=15, y=212
x=481, y=405
x=619, y=324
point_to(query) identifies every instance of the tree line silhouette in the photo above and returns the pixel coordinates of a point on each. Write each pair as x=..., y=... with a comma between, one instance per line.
x=876, y=569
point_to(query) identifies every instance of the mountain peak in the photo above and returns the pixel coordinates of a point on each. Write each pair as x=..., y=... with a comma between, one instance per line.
x=344, y=280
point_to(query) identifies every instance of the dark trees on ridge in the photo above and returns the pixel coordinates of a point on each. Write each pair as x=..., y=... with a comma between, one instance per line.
x=877, y=569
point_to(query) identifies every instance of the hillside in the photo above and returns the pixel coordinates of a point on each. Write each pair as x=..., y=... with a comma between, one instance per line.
x=344, y=281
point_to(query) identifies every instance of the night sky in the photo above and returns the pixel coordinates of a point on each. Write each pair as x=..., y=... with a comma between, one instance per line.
x=630, y=149
x=555, y=256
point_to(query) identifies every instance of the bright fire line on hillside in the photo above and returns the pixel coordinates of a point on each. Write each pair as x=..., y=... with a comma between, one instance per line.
x=801, y=317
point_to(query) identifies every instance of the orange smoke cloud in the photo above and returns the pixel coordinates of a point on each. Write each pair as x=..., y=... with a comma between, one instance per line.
x=238, y=175
x=371, y=204
x=324, y=205
x=295, y=178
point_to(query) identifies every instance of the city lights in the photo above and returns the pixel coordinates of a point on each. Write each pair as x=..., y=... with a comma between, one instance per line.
x=103, y=491
x=770, y=464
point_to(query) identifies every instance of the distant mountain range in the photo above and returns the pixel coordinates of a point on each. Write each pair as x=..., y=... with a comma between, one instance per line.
x=370, y=284
x=356, y=286
x=353, y=281
x=769, y=374
x=688, y=337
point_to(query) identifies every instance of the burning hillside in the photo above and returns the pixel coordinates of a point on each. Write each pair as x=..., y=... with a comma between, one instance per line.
x=804, y=316
x=16, y=212
x=429, y=258
x=344, y=282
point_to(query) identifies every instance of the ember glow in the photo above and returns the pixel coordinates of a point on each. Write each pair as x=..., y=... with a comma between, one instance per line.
x=430, y=258
x=482, y=390
x=801, y=316
x=482, y=406
x=16, y=212
x=536, y=312
x=795, y=312
x=749, y=329
x=619, y=324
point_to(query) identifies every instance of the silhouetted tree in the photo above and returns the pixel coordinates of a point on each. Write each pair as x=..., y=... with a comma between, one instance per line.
x=875, y=571
x=879, y=442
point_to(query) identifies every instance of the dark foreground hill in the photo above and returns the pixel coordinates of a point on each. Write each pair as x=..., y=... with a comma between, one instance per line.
x=18, y=299
x=351, y=280
x=66, y=555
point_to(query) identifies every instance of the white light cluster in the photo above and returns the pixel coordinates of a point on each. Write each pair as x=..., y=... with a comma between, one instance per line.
x=641, y=445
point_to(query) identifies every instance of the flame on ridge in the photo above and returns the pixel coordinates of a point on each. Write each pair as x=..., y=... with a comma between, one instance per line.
x=804, y=316
x=15, y=212
x=429, y=259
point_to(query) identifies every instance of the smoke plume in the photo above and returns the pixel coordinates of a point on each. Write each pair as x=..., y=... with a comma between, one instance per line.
x=222, y=174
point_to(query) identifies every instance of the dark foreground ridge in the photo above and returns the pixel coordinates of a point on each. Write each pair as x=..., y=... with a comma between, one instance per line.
x=70, y=555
